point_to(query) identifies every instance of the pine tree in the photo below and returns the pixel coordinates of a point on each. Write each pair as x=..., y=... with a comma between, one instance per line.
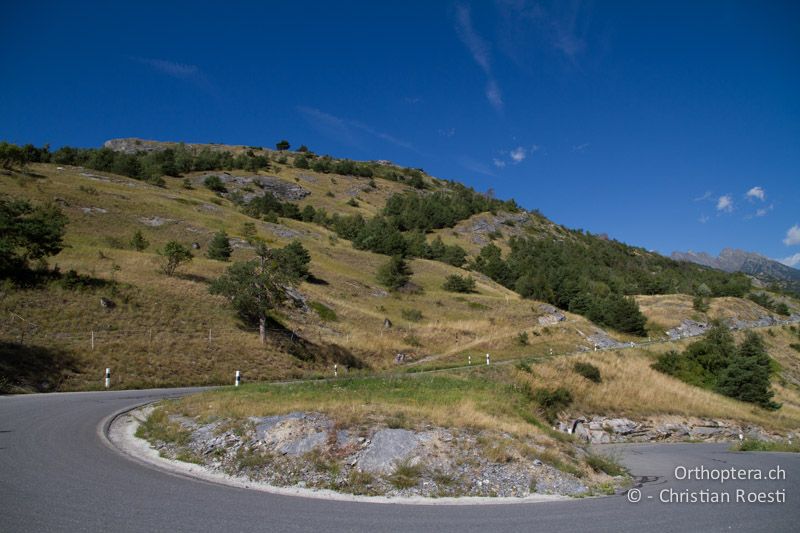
x=138, y=242
x=220, y=247
x=746, y=378
x=394, y=274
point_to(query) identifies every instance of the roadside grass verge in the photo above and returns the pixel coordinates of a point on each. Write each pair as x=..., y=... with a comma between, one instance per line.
x=755, y=445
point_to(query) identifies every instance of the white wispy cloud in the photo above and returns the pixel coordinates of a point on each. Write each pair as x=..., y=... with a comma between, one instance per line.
x=182, y=71
x=499, y=163
x=171, y=68
x=347, y=130
x=705, y=196
x=562, y=26
x=791, y=261
x=479, y=48
x=472, y=165
x=703, y=219
x=764, y=210
x=494, y=95
x=756, y=193
x=792, y=236
x=447, y=132
x=518, y=154
x=725, y=203
x=580, y=147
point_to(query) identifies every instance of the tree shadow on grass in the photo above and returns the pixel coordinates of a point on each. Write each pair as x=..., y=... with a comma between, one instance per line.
x=29, y=368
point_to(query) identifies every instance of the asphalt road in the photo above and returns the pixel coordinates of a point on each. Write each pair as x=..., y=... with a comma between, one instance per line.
x=57, y=473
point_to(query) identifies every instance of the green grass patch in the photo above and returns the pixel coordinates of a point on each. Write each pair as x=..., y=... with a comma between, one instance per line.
x=755, y=445
x=405, y=475
x=158, y=427
x=325, y=313
x=604, y=463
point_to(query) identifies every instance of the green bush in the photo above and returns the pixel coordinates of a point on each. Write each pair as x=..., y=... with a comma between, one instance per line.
x=215, y=184
x=522, y=339
x=588, y=370
x=174, y=254
x=412, y=315
x=138, y=242
x=552, y=401
x=457, y=283
x=394, y=273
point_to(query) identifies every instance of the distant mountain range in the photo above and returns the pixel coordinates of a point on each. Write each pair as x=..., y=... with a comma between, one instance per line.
x=762, y=268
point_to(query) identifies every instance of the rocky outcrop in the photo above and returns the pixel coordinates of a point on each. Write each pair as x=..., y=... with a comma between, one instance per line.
x=687, y=328
x=551, y=316
x=307, y=449
x=280, y=189
x=481, y=228
x=604, y=430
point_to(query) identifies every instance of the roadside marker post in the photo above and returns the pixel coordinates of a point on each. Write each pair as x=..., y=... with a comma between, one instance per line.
x=92, y=339
x=469, y=360
x=238, y=378
x=487, y=359
x=335, y=370
x=108, y=377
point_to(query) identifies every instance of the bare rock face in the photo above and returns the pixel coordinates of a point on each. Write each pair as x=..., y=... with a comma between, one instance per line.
x=552, y=315
x=687, y=328
x=602, y=430
x=388, y=448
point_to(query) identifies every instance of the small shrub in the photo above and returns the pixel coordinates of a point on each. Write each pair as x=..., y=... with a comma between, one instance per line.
x=795, y=346
x=405, y=475
x=525, y=367
x=214, y=183
x=477, y=306
x=138, y=242
x=412, y=315
x=552, y=401
x=187, y=184
x=359, y=482
x=411, y=340
x=325, y=313
x=456, y=283
x=589, y=371
x=329, y=194
x=522, y=339
x=352, y=202
x=174, y=254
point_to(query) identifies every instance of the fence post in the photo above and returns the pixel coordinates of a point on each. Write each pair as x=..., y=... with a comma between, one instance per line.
x=487, y=359
x=238, y=378
x=108, y=377
x=335, y=370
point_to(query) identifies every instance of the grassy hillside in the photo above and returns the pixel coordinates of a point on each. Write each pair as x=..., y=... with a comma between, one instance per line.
x=158, y=333
x=170, y=331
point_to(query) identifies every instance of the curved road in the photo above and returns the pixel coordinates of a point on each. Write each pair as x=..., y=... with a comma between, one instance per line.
x=57, y=473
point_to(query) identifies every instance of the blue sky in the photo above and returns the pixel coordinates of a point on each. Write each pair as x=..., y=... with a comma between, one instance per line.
x=672, y=127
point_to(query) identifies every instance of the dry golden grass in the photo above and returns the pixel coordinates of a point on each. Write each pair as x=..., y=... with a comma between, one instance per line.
x=630, y=387
x=667, y=311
